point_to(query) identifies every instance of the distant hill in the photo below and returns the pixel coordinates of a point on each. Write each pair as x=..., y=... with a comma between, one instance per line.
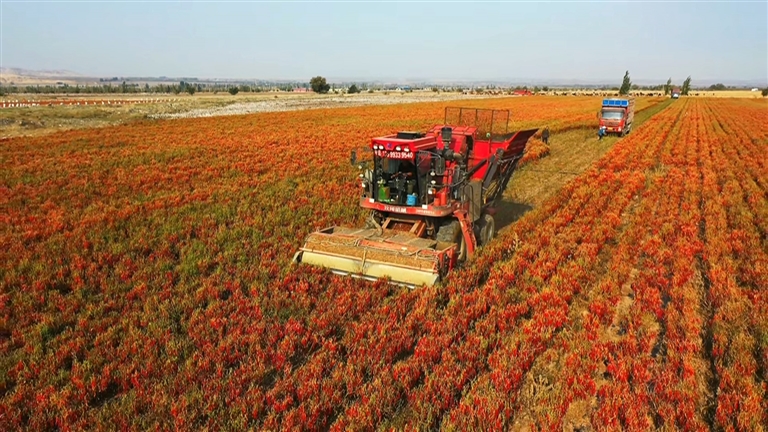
x=20, y=76
x=39, y=73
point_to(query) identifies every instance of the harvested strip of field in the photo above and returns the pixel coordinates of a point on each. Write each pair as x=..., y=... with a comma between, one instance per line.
x=571, y=152
x=294, y=104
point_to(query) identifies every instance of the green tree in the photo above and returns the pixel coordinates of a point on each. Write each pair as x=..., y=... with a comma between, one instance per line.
x=686, y=86
x=319, y=85
x=233, y=90
x=718, y=86
x=545, y=88
x=353, y=89
x=625, y=85
x=764, y=92
x=190, y=89
x=668, y=86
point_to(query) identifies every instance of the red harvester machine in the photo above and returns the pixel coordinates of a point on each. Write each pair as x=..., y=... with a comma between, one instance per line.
x=432, y=197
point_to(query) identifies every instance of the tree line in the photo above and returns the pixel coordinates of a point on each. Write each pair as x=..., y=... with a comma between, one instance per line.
x=128, y=88
x=626, y=86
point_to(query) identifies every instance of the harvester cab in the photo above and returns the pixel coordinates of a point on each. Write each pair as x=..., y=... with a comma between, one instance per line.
x=431, y=197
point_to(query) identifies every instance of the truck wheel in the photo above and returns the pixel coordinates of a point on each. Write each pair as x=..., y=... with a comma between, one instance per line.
x=450, y=232
x=487, y=229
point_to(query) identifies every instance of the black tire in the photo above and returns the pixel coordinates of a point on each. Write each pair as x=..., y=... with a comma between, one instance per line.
x=625, y=131
x=450, y=232
x=487, y=229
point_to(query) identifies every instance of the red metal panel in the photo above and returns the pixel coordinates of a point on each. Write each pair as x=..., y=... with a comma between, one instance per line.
x=512, y=147
x=482, y=150
x=430, y=211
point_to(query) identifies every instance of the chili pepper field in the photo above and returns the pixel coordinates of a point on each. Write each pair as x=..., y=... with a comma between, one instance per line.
x=146, y=281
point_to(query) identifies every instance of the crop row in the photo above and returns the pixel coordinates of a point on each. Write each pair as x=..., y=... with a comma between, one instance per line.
x=736, y=290
x=642, y=352
x=656, y=367
x=493, y=400
x=650, y=347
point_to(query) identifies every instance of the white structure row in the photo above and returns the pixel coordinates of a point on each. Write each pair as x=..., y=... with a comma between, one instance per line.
x=21, y=104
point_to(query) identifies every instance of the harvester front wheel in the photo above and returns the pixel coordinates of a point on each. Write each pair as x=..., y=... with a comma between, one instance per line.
x=450, y=232
x=374, y=221
x=487, y=229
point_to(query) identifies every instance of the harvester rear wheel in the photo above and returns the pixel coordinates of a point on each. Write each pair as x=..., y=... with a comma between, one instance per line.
x=450, y=232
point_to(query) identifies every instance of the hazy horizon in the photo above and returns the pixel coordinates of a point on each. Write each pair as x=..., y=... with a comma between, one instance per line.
x=567, y=42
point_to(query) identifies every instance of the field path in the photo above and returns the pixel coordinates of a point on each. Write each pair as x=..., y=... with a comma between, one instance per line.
x=571, y=153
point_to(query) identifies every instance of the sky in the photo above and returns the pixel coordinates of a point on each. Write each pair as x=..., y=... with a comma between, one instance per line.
x=598, y=40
